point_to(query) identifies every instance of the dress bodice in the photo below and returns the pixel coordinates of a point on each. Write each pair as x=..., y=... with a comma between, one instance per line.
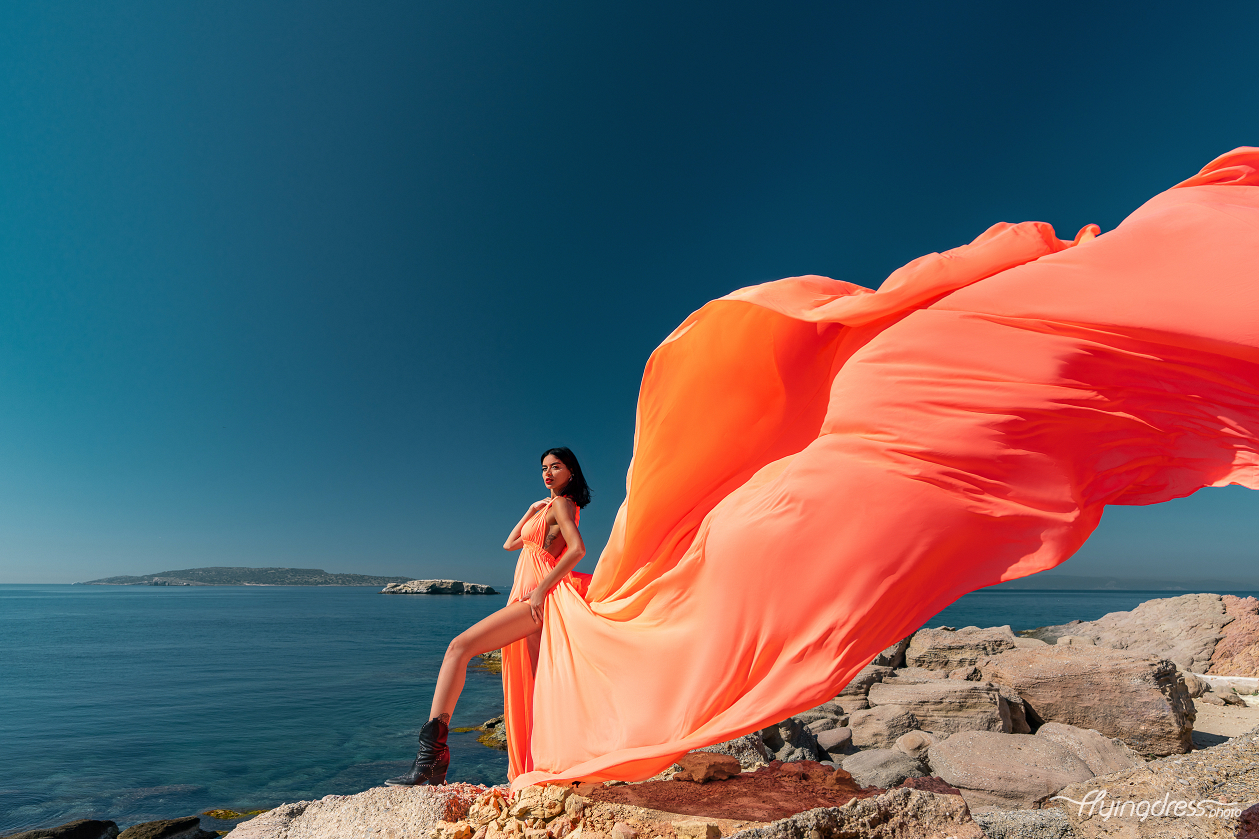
x=534, y=531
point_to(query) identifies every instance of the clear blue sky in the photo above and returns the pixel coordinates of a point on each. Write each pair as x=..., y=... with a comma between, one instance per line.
x=313, y=284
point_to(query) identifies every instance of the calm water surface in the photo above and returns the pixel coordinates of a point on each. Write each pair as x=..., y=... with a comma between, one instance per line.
x=137, y=703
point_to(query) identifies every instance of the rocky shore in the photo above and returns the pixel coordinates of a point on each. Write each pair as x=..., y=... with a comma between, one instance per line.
x=437, y=587
x=1139, y=724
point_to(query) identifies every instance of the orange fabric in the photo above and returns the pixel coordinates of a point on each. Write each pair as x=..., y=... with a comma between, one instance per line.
x=819, y=468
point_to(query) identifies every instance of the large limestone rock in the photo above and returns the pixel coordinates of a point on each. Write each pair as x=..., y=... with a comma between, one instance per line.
x=878, y=728
x=1102, y=755
x=868, y=675
x=914, y=676
x=898, y=814
x=1237, y=653
x=1011, y=771
x=1139, y=699
x=945, y=706
x=883, y=768
x=893, y=656
x=378, y=813
x=946, y=649
x=1018, y=711
x=1111, y=805
x=1182, y=629
x=437, y=587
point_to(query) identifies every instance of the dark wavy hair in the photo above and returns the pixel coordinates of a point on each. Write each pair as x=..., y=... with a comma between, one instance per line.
x=577, y=489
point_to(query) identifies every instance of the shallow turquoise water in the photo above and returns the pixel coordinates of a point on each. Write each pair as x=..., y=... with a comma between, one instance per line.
x=137, y=703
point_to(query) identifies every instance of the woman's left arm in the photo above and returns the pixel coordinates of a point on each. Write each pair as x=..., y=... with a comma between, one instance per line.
x=574, y=550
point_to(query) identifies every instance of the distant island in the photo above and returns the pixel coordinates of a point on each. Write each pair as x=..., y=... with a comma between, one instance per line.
x=247, y=577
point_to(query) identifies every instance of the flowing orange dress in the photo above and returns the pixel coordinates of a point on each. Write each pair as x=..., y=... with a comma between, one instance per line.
x=818, y=468
x=534, y=564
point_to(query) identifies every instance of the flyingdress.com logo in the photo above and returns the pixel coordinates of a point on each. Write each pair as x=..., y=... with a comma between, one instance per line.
x=1098, y=805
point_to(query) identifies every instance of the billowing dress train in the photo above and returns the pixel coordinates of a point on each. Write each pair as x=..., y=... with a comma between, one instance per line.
x=819, y=468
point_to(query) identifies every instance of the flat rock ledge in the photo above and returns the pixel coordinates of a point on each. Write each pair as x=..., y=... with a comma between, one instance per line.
x=714, y=808
x=437, y=587
x=378, y=813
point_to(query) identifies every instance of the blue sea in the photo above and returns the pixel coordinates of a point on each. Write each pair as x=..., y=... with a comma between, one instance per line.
x=138, y=703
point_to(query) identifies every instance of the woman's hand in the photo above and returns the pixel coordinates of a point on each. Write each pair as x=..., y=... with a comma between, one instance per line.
x=513, y=539
x=536, y=598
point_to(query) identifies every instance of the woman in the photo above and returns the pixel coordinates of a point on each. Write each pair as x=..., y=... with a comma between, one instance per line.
x=552, y=548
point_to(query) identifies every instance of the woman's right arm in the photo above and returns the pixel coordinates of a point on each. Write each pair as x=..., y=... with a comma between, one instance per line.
x=514, y=541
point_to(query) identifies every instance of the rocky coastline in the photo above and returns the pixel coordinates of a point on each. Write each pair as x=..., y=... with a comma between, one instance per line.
x=1139, y=724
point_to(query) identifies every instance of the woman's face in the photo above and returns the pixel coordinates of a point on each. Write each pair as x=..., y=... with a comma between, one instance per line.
x=554, y=473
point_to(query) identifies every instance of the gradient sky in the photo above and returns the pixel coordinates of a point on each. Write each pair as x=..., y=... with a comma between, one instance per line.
x=313, y=284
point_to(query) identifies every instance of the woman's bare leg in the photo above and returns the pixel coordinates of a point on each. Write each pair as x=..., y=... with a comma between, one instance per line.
x=534, y=643
x=510, y=623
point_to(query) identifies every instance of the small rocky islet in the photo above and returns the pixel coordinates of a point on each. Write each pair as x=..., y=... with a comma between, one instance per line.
x=437, y=587
x=971, y=732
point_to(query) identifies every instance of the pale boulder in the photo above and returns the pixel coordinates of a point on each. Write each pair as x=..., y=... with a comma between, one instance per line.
x=380, y=811
x=893, y=656
x=916, y=743
x=1011, y=771
x=945, y=706
x=943, y=649
x=835, y=740
x=1182, y=629
x=1139, y=699
x=1195, y=686
x=879, y=727
x=866, y=676
x=884, y=768
x=914, y=675
x=1102, y=755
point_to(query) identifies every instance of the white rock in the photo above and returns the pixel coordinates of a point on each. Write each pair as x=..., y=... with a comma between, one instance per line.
x=378, y=813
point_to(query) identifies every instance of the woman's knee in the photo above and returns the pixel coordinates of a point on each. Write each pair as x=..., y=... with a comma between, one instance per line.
x=459, y=649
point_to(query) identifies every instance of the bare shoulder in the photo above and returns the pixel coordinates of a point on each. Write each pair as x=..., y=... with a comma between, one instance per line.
x=564, y=508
